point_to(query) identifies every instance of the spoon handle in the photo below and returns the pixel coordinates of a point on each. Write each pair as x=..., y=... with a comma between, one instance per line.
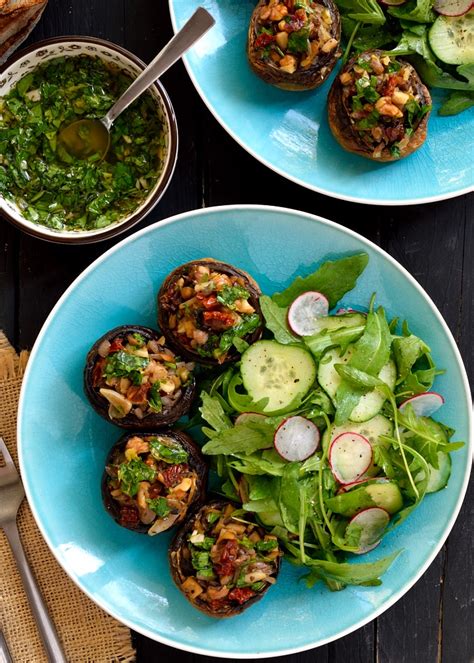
x=194, y=29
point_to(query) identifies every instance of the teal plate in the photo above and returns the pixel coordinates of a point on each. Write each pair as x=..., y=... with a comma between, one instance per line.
x=289, y=132
x=63, y=442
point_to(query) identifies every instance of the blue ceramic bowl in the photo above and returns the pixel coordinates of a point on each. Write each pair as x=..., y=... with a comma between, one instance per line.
x=63, y=442
x=289, y=132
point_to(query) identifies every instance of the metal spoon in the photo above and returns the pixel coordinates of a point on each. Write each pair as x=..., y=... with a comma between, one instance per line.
x=87, y=137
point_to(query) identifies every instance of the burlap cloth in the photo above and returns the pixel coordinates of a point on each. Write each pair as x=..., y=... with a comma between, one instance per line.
x=88, y=634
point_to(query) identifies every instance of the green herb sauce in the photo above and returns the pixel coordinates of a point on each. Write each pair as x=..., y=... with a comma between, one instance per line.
x=51, y=187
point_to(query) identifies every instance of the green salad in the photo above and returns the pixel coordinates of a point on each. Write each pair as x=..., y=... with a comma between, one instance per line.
x=49, y=186
x=436, y=35
x=324, y=429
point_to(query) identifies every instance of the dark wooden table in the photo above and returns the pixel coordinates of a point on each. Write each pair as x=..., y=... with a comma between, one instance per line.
x=434, y=621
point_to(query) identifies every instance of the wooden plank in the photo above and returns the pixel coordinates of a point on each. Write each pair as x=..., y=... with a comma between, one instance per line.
x=408, y=632
x=458, y=588
x=8, y=279
x=431, y=241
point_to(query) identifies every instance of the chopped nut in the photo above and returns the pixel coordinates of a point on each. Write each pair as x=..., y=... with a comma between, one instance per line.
x=329, y=46
x=288, y=64
x=282, y=40
x=345, y=78
x=400, y=98
x=385, y=107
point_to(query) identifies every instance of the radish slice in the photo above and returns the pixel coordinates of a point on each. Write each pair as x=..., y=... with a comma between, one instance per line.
x=348, y=486
x=453, y=7
x=372, y=523
x=350, y=456
x=424, y=405
x=304, y=312
x=296, y=438
x=344, y=311
x=245, y=417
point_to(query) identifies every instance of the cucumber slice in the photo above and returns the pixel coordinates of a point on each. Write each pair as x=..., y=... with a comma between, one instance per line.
x=328, y=377
x=438, y=477
x=281, y=373
x=371, y=403
x=335, y=322
x=452, y=38
x=382, y=493
x=372, y=429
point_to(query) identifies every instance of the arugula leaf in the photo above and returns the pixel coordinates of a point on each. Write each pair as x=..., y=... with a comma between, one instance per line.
x=160, y=506
x=433, y=76
x=292, y=498
x=333, y=278
x=342, y=338
x=169, y=452
x=266, y=462
x=457, y=102
x=213, y=412
x=366, y=11
x=131, y=473
x=406, y=351
x=245, y=438
x=367, y=573
x=371, y=353
x=276, y=320
x=419, y=11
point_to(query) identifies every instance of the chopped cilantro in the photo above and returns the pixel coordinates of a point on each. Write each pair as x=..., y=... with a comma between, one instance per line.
x=230, y=294
x=160, y=506
x=265, y=546
x=168, y=451
x=370, y=121
x=154, y=398
x=130, y=474
x=395, y=150
x=249, y=324
x=212, y=517
x=200, y=560
x=122, y=364
x=298, y=42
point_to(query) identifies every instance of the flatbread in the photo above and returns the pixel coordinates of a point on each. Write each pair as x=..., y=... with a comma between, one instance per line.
x=9, y=6
x=8, y=46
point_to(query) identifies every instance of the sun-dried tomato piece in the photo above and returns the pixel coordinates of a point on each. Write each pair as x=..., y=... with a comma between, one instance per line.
x=226, y=565
x=263, y=40
x=241, y=594
x=174, y=474
x=97, y=372
x=128, y=516
x=219, y=320
x=138, y=394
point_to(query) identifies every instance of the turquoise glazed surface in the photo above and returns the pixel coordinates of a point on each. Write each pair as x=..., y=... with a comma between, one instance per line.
x=63, y=442
x=289, y=132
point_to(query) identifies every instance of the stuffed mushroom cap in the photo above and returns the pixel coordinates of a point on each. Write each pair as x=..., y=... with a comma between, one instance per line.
x=153, y=480
x=294, y=44
x=205, y=307
x=134, y=380
x=378, y=107
x=222, y=564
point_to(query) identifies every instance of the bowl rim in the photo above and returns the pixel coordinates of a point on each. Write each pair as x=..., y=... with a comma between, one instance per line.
x=216, y=210
x=80, y=237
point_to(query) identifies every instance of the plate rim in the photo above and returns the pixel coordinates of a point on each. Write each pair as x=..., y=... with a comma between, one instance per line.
x=279, y=171
x=215, y=210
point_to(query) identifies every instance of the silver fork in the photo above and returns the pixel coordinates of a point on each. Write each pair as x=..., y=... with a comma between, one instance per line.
x=11, y=496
